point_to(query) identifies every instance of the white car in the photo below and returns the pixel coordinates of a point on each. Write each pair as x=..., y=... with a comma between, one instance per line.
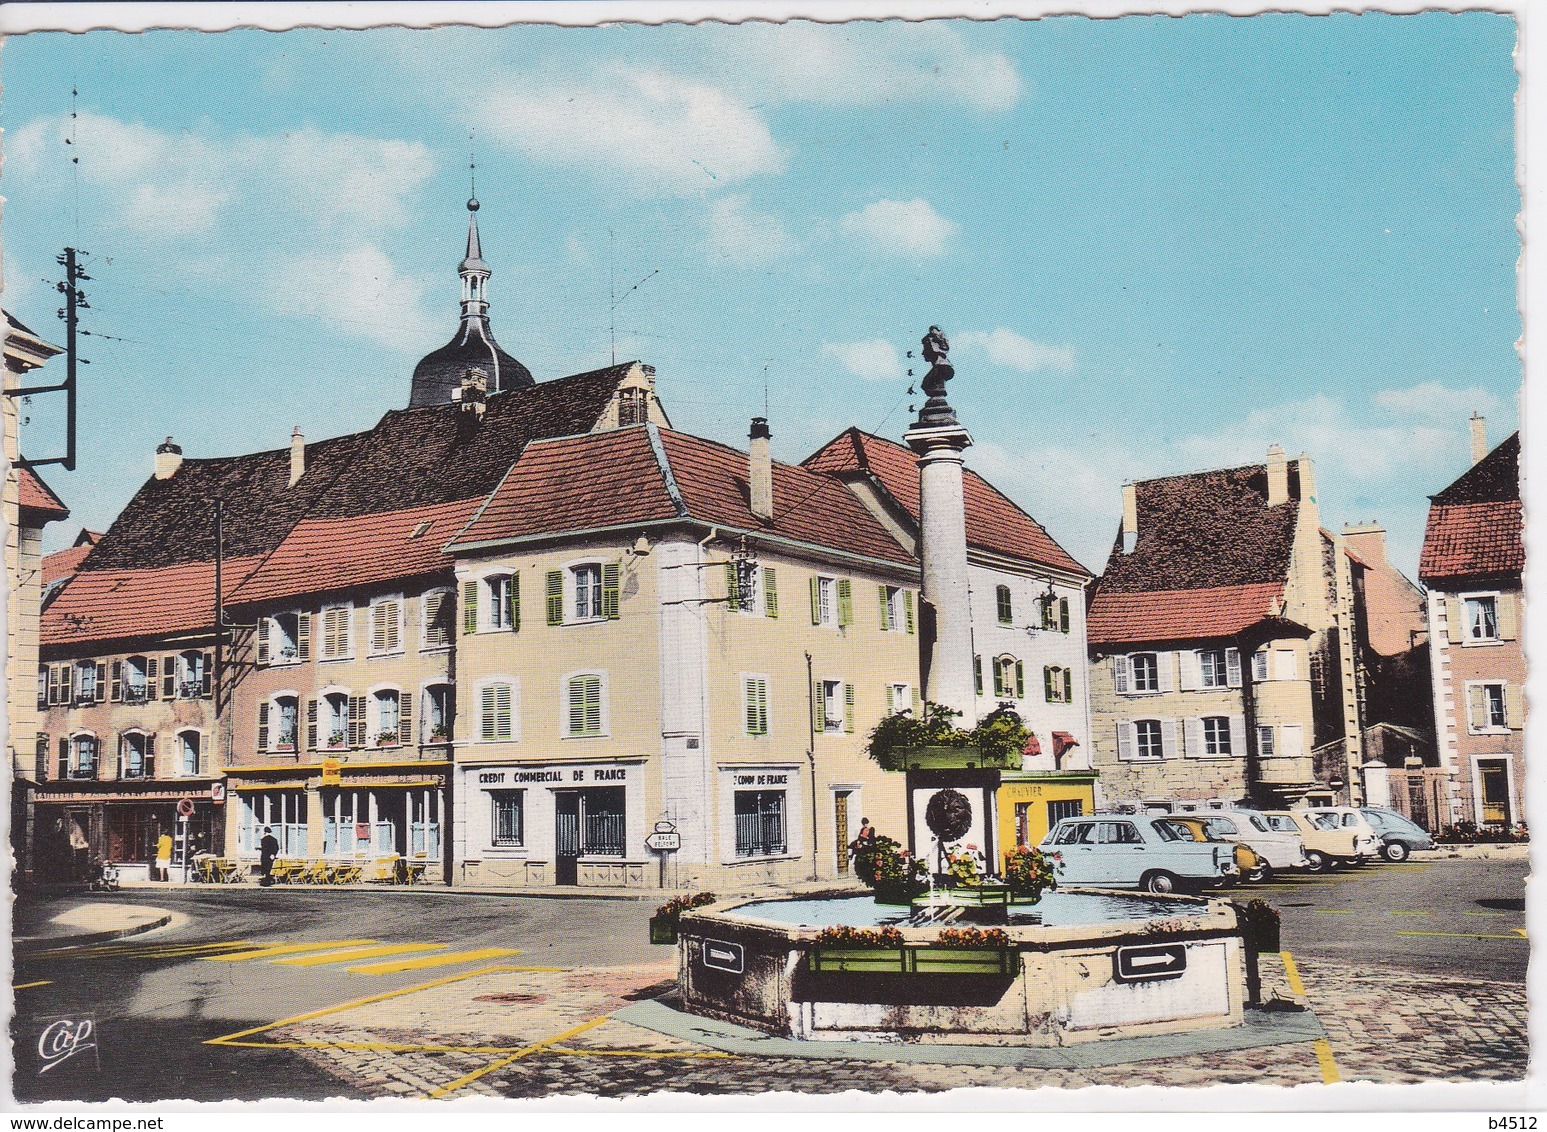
x=1279, y=849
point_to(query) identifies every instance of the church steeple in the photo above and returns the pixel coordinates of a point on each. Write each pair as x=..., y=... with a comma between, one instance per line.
x=439, y=373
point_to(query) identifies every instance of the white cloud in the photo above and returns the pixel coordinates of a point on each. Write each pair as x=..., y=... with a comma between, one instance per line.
x=1005, y=347
x=362, y=291
x=661, y=133
x=872, y=360
x=1431, y=401
x=902, y=227
x=744, y=237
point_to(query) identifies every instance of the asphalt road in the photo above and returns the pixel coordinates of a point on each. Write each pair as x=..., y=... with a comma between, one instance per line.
x=154, y=1000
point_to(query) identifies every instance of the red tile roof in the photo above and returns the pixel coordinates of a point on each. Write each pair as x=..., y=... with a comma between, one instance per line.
x=1472, y=538
x=320, y=555
x=1176, y=615
x=994, y=523
x=105, y=605
x=37, y=496
x=617, y=478
x=62, y=563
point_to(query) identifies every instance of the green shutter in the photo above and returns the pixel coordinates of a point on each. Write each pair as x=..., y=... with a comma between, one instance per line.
x=818, y=707
x=1063, y=615
x=845, y=602
x=612, y=573
x=555, y=597
x=469, y=608
x=816, y=600
x=977, y=674
x=885, y=609
x=848, y=708
x=515, y=602
x=1068, y=685
x=1002, y=600
x=732, y=586
x=770, y=593
x=998, y=678
x=1047, y=684
x=907, y=609
x=1020, y=680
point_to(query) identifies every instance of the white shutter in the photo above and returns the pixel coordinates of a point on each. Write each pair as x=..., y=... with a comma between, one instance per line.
x=1164, y=678
x=1168, y=737
x=1476, y=707
x=1125, y=740
x=1238, y=735
x=1284, y=666
x=1233, y=667
x=1193, y=733
x=1259, y=666
x=487, y=715
x=1455, y=620
x=1514, y=707
x=1507, y=615
x=1291, y=740
x=1192, y=671
x=1120, y=676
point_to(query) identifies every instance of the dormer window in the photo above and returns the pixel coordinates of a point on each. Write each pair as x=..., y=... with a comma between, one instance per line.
x=633, y=406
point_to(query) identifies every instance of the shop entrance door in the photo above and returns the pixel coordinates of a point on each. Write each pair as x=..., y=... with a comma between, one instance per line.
x=566, y=836
x=1495, y=778
x=841, y=824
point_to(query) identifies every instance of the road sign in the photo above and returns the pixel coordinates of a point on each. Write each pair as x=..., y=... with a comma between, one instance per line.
x=1149, y=962
x=723, y=956
x=664, y=842
x=185, y=806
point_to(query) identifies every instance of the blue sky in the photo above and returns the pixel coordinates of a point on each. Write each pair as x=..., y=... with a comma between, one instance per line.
x=1156, y=244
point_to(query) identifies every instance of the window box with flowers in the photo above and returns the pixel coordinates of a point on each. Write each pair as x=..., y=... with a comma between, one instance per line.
x=336, y=741
x=668, y=917
x=440, y=735
x=387, y=739
x=903, y=741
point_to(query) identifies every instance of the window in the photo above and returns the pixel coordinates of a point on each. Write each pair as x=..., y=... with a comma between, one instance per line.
x=1055, y=612
x=1265, y=741
x=389, y=714
x=1141, y=739
x=1219, y=668
x=899, y=697
x=1057, y=684
x=135, y=755
x=744, y=585
x=189, y=744
x=586, y=583
x=1009, y=677
x=755, y=704
x=386, y=626
x=1002, y=602
x=42, y=687
x=437, y=610
x=1285, y=667
x=1260, y=666
x=1145, y=667
x=585, y=705
x=1066, y=808
x=337, y=640
x=833, y=706
x=1482, y=618
x=497, y=590
x=283, y=811
x=896, y=609
x=137, y=684
x=633, y=407
x=508, y=818
x=86, y=685
x=824, y=601
x=279, y=639
x=760, y=826
x=277, y=724
x=1216, y=735
x=1488, y=707
x=496, y=712
x=83, y=763
x=439, y=711
x=193, y=675
x=335, y=721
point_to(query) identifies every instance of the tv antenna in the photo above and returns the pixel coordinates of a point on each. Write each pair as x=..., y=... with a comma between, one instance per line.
x=613, y=298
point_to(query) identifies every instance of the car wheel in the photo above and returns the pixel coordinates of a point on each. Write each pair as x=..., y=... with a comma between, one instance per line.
x=1315, y=861
x=1395, y=851
x=1158, y=881
x=1260, y=873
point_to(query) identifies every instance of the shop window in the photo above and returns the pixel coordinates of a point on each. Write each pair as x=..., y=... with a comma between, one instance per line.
x=507, y=823
x=760, y=823
x=283, y=811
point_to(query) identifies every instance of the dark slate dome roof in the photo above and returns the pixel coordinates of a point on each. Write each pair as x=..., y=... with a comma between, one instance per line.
x=440, y=371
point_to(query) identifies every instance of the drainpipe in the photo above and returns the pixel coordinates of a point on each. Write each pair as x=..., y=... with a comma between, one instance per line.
x=1254, y=788
x=811, y=755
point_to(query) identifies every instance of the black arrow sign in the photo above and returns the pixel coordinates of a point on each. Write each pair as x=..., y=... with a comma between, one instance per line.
x=1149, y=963
x=723, y=956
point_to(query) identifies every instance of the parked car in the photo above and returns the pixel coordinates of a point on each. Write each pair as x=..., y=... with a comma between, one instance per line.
x=1278, y=849
x=1146, y=852
x=1329, y=840
x=1399, y=836
x=1248, y=864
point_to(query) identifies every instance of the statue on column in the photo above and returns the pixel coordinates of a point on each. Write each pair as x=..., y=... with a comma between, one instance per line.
x=937, y=410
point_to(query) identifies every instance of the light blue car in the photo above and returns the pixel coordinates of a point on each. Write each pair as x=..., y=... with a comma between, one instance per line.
x=1137, y=851
x=1399, y=836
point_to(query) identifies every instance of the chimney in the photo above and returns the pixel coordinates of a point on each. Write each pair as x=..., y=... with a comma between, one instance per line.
x=760, y=470
x=1278, y=477
x=297, y=455
x=169, y=457
x=472, y=395
x=1367, y=540
x=1479, y=437
x=1130, y=517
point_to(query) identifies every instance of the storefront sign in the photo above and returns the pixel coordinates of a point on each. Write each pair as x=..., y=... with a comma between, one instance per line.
x=332, y=772
x=782, y=778
x=555, y=776
x=217, y=793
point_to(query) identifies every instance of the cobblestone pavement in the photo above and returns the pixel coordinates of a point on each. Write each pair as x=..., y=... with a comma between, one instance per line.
x=512, y=1032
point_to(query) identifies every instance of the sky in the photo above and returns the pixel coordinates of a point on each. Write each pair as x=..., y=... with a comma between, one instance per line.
x=1157, y=245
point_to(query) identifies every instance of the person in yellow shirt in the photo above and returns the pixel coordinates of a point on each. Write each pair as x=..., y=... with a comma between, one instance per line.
x=164, y=856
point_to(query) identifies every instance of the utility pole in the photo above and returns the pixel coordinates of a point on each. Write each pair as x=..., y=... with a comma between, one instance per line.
x=74, y=302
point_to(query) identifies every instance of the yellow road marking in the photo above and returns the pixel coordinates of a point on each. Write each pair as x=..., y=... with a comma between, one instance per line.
x=1492, y=915
x=1333, y=911
x=1519, y=933
x=193, y=949
x=1405, y=912
x=640, y=1052
x=392, y=967
x=525, y=1051
x=39, y=983
x=286, y=949
x=356, y=953
x=1329, y=1067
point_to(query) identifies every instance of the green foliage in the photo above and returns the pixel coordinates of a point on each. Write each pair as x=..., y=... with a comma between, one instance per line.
x=859, y=937
x=672, y=910
x=966, y=866
x=973, y=937
x=881, y=862
x=1000, y=735
x=1029, y=872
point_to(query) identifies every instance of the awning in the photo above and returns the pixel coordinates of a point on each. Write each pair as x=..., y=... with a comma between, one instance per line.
x=1033, y=746
x=1062, y=741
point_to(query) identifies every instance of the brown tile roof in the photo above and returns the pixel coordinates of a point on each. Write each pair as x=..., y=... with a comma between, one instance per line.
x=62, y=563
x=1475, y=525
x=994, y=523
x=321, y=555
x=1175, y=615
x=38, y=497
x=103, y=605
x=620, y=477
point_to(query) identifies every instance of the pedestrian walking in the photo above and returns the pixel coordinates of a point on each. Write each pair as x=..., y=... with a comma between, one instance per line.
x=268, y=849
x=164, y=857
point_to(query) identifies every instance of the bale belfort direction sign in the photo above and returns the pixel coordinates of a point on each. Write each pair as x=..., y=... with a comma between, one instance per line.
x=680, y=553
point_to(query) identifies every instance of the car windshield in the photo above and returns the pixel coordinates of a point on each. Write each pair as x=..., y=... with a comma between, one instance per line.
x=1171, y=831
x=1259, y=822
x=1221, y=827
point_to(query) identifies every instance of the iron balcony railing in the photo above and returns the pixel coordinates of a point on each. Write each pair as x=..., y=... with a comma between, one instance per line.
x=760, y=835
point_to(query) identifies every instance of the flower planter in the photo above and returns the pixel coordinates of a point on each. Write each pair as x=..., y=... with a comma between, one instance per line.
x=663, y=929
x=947, y=758
x=1264, y=938
x=873, y=960
x=914, y=960
x=896, y=892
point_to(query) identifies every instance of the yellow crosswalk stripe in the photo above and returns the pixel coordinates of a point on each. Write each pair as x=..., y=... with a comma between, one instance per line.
x=356, y=953
x=393, y=966
x=287, y=949
x=39, y=983
x=1518, y=933
x=193, y=949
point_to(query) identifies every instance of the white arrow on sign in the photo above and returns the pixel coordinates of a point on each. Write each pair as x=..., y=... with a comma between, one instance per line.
x=1167, y=960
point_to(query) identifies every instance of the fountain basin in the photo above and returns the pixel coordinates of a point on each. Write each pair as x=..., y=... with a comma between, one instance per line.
x=1081, y=965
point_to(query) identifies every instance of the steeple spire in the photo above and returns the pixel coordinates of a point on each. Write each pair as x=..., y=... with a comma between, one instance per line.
x=474, y=271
